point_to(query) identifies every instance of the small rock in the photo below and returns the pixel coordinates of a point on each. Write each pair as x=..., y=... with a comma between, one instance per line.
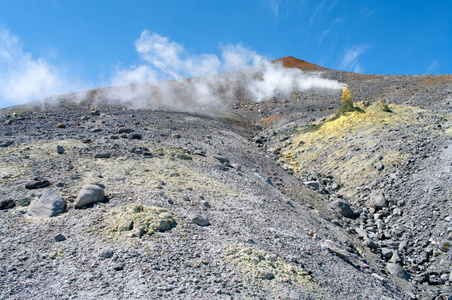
x=395, y=258
x=37, y=183
x=403, y=245
x=139, y=150
x=89, y=193
x=221, y=159
x=371, y=243
x=147, y=154
x=336, y=249
x=60, y=149
x=23, y=201
x=206, y=204
x=264, y=179
x=267, y=274
x=102, y=155
x=380, y=167
x=397, y=270
x=164, y=225
x=97, y=174
x=200, y=220
x=421, y=278
x=138, y=232
x=7, y=203
x=106, y=253
x=61, y=125
x=119, y=266
x=95, y=112
x=377, y=200
x=312, y=184
x=386, y=253
x=444, y=245
x=200, y=152
x=60, y=238
x=184, y=156
x=342, y=207
x=6, y=144
x=125, y=130
x=50, y=204
x=126, y=225
x=135, y=136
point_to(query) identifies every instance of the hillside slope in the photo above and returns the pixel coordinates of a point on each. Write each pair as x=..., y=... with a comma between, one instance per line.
x=280, y=199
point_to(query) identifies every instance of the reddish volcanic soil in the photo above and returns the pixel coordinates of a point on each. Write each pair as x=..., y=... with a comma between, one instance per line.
x=292, y=62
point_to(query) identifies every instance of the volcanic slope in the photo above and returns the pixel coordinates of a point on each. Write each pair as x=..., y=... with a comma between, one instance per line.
x=250, y=201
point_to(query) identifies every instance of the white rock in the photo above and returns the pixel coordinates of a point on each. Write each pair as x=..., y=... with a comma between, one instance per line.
x=50, y=204
x=89, y=193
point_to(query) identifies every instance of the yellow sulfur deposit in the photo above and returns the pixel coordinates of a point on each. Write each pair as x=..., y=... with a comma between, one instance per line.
x=333, y=145
x=269, y=267
x=135, y=220
x=346, y=96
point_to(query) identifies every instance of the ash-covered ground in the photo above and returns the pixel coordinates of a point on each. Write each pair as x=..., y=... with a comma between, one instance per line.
x=280, y=199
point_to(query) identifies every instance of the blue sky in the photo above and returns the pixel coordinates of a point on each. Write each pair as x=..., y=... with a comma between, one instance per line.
x=57, y=46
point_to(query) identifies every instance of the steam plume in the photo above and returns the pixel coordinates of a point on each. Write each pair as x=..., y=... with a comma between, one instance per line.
x=214, y=81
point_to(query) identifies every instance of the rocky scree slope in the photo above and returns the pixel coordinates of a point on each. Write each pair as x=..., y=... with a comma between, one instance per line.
x=261, y=200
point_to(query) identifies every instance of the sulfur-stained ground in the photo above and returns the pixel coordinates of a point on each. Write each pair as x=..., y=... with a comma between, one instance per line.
x=245, y=170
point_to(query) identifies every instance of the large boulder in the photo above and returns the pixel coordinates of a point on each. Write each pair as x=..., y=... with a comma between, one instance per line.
x=50, y=204
x=343, y=208
x=90, y=193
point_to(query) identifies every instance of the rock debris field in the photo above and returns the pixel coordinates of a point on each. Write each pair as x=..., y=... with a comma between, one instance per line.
x=292, y=198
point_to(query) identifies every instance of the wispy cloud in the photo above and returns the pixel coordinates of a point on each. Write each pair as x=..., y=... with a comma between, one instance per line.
x=25, y=78
x=165, y=59
x=273, y=5
x=278, y=8
x=433, y=66
x=322, y=36
x=350, y=60
x=318, y=10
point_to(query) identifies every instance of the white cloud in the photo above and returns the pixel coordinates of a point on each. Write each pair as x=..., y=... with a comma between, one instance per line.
x=165, y=59
x=25, y=78
x=171, y=59
x=323, y=35
x=134, y=75
x=318, y=10
x=236, y=57
x=350, y=60
x=433, y=66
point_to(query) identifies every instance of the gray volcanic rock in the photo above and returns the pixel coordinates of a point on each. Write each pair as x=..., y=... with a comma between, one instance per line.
x=60, y=149
x=50, y=204
x=90, y=193
x=7, y=203
x=397, y=270
x=200, y=220
x=37, y=183
x=377, y=200
x=273, y=237
x=342, y=207
x=102, y=155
